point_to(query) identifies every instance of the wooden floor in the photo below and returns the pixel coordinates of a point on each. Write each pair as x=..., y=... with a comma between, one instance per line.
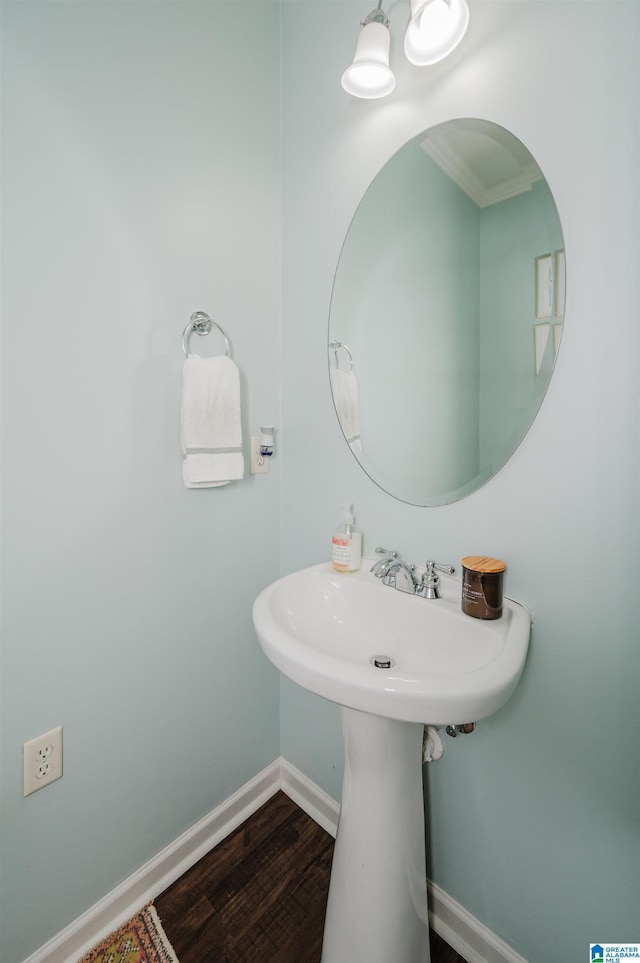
x=260, y=896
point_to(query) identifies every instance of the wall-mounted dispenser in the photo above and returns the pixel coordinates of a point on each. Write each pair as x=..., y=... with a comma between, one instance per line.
x=262, y=448
x=266, y=440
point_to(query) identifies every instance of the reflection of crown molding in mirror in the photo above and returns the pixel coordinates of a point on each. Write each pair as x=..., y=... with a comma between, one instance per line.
x=458, y=159
x=436, y=297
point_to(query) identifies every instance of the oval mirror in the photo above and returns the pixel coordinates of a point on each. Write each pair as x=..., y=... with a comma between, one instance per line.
x=446, y=311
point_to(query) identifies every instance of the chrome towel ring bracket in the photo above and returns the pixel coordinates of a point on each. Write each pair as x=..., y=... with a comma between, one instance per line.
x=201, y=323
x=333, y=346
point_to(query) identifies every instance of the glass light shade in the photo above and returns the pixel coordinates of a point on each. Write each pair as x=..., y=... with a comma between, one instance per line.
x=369, y=75
x=435, y=29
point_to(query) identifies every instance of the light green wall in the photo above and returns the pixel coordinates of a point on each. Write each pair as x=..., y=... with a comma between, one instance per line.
x=534, y=822
x=140, y=183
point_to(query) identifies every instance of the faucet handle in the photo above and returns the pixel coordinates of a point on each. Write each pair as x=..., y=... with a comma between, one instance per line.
x=431, y=566
x=430, y=583
x=388, y=552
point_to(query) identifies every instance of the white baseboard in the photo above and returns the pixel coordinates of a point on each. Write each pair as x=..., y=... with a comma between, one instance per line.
x=467, y=935
x=309, y=797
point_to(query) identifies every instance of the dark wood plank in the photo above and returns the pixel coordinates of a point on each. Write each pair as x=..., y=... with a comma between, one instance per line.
x=259, y=896
x=238, y=847
x=441, y=952
x=253, y=904
x=284, y=930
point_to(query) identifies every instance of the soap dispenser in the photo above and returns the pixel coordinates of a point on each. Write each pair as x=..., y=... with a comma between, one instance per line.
x=346, y=555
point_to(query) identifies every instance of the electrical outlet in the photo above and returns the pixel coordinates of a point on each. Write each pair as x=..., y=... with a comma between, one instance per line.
x=42, y=760
x=259, y=463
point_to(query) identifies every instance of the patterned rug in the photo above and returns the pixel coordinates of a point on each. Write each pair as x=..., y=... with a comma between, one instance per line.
x=141, y=940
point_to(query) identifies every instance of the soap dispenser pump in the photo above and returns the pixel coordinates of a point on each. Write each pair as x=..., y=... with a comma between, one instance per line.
x=346, y=554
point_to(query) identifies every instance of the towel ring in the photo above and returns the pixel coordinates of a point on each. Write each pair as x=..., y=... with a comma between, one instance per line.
x=334, y=345
x=201, y=323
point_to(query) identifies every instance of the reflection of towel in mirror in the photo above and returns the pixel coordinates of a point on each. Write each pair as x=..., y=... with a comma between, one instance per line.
x=344, y=386
x=210, y=427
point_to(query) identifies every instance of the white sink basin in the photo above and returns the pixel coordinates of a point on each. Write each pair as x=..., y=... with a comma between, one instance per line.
x=322, y=629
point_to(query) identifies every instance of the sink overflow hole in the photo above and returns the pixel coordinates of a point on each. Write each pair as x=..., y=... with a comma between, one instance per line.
x=382, y=661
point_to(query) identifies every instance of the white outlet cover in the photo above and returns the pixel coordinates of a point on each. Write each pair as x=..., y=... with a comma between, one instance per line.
x=42, y=760
x=259, y=465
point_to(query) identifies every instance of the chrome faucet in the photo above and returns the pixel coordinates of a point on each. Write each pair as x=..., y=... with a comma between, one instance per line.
x=401, y=576
x=381, y=567
x=394, y=571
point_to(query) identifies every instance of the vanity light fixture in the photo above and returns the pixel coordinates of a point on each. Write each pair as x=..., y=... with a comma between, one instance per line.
x=369, y=76
x=435, y=28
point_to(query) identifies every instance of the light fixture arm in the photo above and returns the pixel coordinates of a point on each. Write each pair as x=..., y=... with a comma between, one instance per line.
x=376, y=16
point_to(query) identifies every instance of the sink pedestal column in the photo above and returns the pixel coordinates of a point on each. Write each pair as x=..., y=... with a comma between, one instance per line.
x=377, y=908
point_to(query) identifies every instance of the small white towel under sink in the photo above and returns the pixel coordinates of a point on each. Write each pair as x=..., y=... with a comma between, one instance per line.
x=210, y=424
x=432, y=744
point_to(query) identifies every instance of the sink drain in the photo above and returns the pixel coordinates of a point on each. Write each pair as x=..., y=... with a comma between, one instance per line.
x=382, y=661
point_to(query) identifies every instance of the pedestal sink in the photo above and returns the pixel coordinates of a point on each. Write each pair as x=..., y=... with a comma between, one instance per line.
x=394, y=662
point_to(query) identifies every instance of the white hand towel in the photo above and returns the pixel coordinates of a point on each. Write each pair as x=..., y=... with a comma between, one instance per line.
x=210, y=422
x=344, y=386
